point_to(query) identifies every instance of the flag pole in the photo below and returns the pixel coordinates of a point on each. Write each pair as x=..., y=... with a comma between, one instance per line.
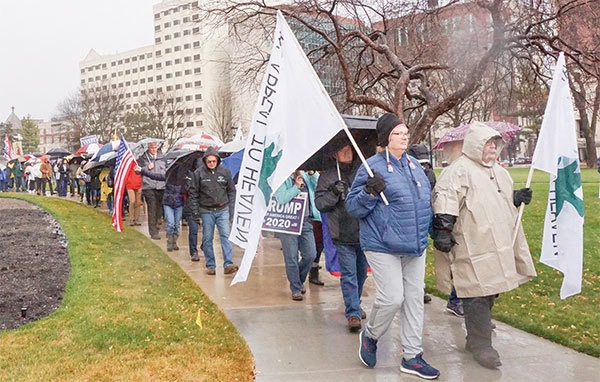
x=518, y=224
x=363, y=160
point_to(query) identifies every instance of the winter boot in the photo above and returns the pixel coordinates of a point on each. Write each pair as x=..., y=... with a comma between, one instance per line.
x=313, y=276
x=169, y=243
x=478, y=316
x=175, y=247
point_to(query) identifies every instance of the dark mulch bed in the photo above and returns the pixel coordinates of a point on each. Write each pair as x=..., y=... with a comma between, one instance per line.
x=34, y=263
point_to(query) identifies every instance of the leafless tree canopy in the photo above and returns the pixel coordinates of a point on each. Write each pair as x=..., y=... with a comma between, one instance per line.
x=416, y=58
x=221, y=115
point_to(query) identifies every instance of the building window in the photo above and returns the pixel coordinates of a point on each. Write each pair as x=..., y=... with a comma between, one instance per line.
x=198, y=97
x=197, y=83
x=187, y=46
x=198, y=123
x=177, y=74
x=157, y=15
x=190, y=124
x=143, y=92
x=197, y=70
x=186, y=32
x=187, y=59
x=120, y=73
x=196, y=30
x=127, y=83
x=169, y=75
x=113, y=75
x=134, y=70
x=178, y=87
x=142, y=68
x=177, y=61
x=196, y=57
x=186, y=19
x=157, y=40
x=127, y=72
x=158, y=65
x=176, y=35
x=135, y=94
x=177, y=48
x=159, y=78
x=167, y=37
x=168, y=63
x=188, y=85
x=168, y=50
x=149, y=67
x=135, y=82
x=158, y=53
x=167, y=25
x=149, y=55
x=188, y=98
x=142, y=80
x=120, y=62
x=141, y=57
x=187, y=72
x=134, y=58
x=114, y=63
x=150, y=79
x=169, y=88
x=195, y=17
x=156, y=28
x=176, y=22
x=126, y=60
x=178, y=99
x=196, y=44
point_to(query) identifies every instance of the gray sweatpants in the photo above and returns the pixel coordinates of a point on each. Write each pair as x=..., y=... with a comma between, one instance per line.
x=398, y=286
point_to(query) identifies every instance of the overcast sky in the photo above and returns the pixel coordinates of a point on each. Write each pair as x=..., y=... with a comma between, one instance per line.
x=42, y=42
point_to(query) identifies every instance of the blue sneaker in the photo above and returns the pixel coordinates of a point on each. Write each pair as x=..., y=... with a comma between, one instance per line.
x=418, y=366
x=368, y=350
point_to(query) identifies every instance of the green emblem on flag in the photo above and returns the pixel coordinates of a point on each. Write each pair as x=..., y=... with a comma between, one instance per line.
x=269, y=164
x=568, y=180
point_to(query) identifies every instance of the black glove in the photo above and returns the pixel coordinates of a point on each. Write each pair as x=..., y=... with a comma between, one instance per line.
x=444, y=241
x=340, y=188
x=522, y=196
x=375, y=184
x=197, y=219
x=443, y=224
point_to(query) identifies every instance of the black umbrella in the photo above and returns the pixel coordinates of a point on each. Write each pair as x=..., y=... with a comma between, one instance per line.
x=364, y=133
x=58, y=152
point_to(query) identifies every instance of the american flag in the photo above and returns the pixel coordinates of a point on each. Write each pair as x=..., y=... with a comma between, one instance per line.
x=8, y=152
x=125, y=161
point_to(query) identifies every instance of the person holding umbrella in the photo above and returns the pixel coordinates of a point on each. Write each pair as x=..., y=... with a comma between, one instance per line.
x=63, y=177
x=332, y=188
x=394, y=238
x=46, y=169
x=152, y=190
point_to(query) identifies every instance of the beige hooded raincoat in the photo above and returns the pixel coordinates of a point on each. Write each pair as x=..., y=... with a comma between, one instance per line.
x=480, y=194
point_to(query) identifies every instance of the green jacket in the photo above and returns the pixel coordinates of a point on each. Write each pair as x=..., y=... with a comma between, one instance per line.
x=288, y=190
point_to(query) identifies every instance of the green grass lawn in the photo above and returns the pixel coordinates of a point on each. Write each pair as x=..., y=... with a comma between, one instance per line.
x=536, y=306
x=129, y=313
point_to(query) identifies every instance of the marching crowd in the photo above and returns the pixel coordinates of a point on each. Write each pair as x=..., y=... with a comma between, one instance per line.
x=381, y=221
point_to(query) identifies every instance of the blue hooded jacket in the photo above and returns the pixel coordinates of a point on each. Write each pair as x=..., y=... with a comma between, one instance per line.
x=402, y=227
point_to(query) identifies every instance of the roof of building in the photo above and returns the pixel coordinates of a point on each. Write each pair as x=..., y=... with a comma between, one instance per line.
x=14, y=120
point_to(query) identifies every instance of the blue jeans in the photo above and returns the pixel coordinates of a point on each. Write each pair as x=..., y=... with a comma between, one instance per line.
x=192, y=235
x=453, y=299
x=353, y=264
x=62, y=186
x=173, y=219
x=305, y=243
x=221, y=220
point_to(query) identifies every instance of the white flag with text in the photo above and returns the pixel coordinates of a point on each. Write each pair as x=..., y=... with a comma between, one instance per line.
x=293, y=118
x=556, y=153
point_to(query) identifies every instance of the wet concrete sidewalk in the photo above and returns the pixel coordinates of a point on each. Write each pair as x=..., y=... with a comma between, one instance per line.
x=308, y=340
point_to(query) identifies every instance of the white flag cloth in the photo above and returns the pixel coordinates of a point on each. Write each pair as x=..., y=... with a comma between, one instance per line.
x=293, y=118
x=556, y=153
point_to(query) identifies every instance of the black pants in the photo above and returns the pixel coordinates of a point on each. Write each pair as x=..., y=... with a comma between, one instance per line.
x=478, y=321
x=49, y=183
x=153, y=200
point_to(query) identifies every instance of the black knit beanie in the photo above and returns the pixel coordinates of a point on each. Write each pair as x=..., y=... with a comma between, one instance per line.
x=385, y=125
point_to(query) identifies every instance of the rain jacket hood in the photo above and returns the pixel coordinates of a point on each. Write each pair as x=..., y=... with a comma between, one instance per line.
x=211, y=151
x=476, y=138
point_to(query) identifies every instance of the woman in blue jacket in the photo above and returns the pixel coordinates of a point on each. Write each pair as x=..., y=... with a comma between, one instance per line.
x=394, y=239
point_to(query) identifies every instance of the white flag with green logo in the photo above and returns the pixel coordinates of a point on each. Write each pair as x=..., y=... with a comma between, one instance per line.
x=293, y=118
x=556, y=153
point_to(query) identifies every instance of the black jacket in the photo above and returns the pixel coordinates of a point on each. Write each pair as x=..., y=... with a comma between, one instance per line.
x=343, y=227
x=211, y=190
x=174, y=187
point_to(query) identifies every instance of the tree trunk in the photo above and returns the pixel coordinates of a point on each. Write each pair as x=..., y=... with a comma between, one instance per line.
x=589, y=135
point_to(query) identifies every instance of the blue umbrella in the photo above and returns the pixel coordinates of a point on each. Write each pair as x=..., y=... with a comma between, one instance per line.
x=233, y=162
